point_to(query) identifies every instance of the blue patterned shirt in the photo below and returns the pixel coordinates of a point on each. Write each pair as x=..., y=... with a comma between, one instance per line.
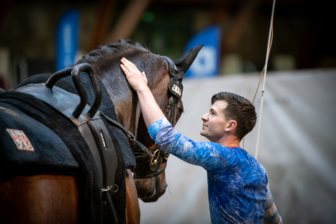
x=237, y=183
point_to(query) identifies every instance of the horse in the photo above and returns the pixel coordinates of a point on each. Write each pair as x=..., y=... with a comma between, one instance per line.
x=53, y=198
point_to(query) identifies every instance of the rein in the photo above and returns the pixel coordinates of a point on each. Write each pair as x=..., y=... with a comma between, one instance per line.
x=144, y=153
x=129, y=134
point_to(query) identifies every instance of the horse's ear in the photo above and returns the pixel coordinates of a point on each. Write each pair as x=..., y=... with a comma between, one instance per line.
x=183, y=63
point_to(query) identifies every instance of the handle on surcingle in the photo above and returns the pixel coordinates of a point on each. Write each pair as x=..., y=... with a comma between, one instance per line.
x=57, y=76
x=75, y=73
x=81, y=90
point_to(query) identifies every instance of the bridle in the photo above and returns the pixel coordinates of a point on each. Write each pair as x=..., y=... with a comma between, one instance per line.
x=152, y=162
x=152, y=159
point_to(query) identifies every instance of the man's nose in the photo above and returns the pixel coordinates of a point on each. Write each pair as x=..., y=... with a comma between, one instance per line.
x=205, y=117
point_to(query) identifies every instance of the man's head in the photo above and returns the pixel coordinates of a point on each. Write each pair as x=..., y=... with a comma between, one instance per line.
x=230, y=114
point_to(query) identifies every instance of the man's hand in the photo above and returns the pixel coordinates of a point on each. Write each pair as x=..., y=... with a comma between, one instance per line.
x=136, y=79
x=149, y=108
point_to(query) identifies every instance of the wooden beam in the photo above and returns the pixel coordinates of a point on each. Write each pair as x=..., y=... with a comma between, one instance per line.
x=105, y=15
x=242, y=20
x=128, y=20
x=219, y=12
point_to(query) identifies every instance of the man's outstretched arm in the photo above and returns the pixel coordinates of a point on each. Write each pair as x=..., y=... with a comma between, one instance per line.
x=271, y=214
x=211, y=156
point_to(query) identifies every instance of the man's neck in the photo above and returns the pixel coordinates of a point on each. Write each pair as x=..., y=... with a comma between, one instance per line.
x=229, y=141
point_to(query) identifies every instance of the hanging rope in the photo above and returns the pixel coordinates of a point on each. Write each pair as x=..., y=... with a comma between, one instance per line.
x=263, y=74
x=270, y=36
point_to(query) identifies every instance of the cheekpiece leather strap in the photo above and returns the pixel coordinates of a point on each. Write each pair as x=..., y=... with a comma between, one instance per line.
x=175, y=85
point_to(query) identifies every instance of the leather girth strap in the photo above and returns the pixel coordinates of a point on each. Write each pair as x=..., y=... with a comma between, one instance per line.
x=101, y=146
x=93, y=131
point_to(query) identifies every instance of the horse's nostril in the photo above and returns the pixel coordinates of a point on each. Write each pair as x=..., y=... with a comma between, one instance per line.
x=147, y=195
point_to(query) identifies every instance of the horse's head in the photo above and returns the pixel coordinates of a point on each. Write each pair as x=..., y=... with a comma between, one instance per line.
x=162, y=74
x=151, y=183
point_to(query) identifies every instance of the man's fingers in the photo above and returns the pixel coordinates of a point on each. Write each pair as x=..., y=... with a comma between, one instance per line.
x=124, y=69
x=127, y=62
x=124, y=61
x=130, y=69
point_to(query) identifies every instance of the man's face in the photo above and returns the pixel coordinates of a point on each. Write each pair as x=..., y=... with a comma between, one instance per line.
x=214, y=122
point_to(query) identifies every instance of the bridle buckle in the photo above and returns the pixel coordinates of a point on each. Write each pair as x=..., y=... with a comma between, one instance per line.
x=154, y=157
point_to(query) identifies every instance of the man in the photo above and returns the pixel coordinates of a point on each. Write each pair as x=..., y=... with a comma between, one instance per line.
x=238, y=184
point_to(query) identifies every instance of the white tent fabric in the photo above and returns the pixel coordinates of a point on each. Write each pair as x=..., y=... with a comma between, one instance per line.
x=297, y=147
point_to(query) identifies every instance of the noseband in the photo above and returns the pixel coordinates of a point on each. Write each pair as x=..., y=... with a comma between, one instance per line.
x=152, y=159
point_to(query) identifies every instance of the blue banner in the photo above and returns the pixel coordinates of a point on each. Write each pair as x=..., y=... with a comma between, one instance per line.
x=67, y=39
x=206, y=63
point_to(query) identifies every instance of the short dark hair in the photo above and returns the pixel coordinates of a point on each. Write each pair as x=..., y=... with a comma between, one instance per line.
x=239, y=109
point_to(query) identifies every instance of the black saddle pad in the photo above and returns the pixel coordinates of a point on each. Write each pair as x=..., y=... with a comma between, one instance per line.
x=89, y=191
x=25, y=143
x=38, y=139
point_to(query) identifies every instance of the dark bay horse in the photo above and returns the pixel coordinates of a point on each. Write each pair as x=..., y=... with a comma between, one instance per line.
x=54, y=198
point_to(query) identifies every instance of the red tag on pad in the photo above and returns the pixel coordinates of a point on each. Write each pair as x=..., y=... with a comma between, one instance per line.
x=20, y=139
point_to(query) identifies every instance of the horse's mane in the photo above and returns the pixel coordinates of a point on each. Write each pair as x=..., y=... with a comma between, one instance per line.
x=106, y=61
x=113, y=52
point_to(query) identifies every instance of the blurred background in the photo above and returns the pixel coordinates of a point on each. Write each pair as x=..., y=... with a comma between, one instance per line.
x=33, y=32
x=297, y=141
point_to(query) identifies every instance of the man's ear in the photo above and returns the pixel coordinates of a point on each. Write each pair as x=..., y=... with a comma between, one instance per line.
x=231, y=126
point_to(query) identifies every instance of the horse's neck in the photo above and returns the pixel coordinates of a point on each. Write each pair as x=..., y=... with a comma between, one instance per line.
x=126, y=105
x=125, y=99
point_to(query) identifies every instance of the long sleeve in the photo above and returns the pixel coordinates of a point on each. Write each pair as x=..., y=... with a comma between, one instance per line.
x=209, y=155
x=271, y=215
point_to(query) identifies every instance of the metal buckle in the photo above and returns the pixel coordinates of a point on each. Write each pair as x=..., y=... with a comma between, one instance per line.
x=107, y=189
x=117, y=188
x=110, y=187
x=153, y=159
